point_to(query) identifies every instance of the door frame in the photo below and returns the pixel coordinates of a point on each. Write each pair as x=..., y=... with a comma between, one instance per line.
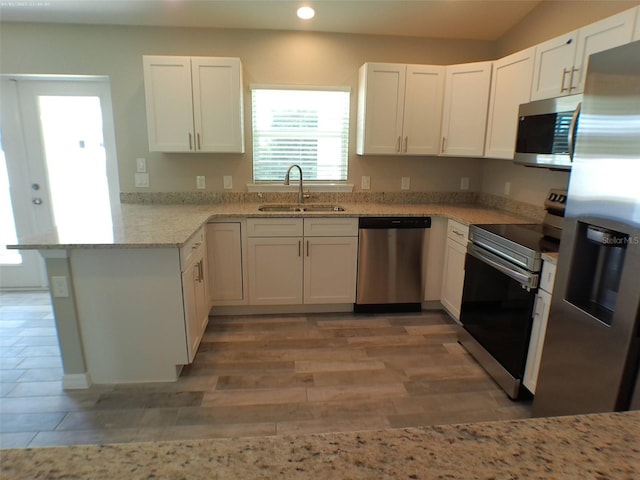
x=35, y=171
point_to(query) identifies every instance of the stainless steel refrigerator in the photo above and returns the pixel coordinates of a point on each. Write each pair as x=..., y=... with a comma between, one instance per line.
x=591, y=354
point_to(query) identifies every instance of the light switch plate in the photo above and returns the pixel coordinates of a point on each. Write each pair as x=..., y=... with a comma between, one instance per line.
x=464, y=183
x=405, y=183
x=141, y=165
x=366, y=182
x=142, y=180
x=507, y=188
x=59, y=287
x=227, y=182
x=201, y=182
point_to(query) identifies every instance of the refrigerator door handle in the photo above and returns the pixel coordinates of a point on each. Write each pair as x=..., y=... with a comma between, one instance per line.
x=572, y=130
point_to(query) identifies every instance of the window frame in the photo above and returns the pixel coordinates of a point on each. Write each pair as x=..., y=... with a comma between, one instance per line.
x=320, y=185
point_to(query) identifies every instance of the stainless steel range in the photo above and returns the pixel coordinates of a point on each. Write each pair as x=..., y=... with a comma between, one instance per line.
x=502, y=271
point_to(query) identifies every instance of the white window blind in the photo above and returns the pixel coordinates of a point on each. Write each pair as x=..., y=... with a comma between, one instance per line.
x=303, y=126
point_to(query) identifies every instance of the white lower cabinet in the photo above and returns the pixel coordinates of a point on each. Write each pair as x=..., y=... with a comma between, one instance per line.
x=453, y=273
x=225, y=251
x=539, y=328
x=195, y=294
x=302, y=261
x=275, y=270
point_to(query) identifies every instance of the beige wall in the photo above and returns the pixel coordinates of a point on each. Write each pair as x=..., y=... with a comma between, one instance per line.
x=268, y=57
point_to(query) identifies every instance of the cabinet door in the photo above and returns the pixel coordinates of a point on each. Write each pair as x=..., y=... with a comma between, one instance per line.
x=380, y=108
x=538, y=332
x=193, y=298
x=423, y=110
x=330, y=265
x=466, y=101
x=224, y=250
x=275, y=270
x=552, y=68
x=510, y=86
x=217, y=104
x=453, y=278
x=167, y=88
x=603, y=35
x=636, y=33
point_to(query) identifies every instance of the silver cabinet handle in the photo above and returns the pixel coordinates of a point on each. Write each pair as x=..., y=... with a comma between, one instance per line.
x=307, y=248
x=190, y=142
x=398, y=144
x=460, y=234
x=564, y=76
x=573, y=70
x=406, y=143
x=198, y=138
x=299, y=247
x=442, y=148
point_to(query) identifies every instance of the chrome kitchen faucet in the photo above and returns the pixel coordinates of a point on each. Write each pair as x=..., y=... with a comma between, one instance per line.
x=286, y=181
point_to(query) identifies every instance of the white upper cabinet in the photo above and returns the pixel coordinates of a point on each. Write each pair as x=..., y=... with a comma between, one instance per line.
x=561, y=63
x=399, y=107
x=510, y=86
x=552, y=68
x=466, y=99
x=194, y=104
x=423, y=109
x=636, y=33
x=597, y=37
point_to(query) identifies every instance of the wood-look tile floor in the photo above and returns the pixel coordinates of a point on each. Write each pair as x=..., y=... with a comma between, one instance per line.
x=252, y=376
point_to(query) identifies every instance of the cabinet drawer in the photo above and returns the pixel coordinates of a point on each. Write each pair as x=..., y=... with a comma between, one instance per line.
x=458, y=232
x=330, y=227
x=191, y=248
x=548, y=276
x=274, y=227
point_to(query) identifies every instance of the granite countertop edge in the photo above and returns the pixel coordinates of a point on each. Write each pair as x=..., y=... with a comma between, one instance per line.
x=596, y=447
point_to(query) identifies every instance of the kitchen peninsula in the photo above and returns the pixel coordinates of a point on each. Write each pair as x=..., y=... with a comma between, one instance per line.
x=112, y=294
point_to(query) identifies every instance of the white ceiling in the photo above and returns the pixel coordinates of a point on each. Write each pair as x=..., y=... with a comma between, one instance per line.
x=462, y=19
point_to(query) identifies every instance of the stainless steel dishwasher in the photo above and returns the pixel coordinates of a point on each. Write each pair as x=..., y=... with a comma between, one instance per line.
x=390, y=277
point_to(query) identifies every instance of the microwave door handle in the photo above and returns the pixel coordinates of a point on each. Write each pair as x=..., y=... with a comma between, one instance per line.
x=572, y=130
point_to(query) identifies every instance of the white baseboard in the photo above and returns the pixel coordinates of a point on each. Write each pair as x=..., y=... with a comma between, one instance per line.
x=75, y=381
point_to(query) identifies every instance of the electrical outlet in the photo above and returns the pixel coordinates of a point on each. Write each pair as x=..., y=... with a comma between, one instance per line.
x=507, y=188
x=366, y=182
x=59, y=287
x=142, y=180
x=405, y=183
x=227, y=182
x=464, y=183
x=201, y=182
x=141, y=165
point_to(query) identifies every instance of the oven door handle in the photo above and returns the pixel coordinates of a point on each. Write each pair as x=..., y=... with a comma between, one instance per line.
x=529, y=280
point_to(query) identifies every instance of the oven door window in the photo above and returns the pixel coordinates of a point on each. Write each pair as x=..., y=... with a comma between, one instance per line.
x=497, y=312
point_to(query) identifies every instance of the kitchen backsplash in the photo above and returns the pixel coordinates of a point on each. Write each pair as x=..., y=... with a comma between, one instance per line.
x=469, y=198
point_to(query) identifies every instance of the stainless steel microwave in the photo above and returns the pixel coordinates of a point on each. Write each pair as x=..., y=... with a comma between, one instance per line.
x=546, y=132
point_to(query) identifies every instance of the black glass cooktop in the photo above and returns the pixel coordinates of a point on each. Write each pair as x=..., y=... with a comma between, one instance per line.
x=528, y=235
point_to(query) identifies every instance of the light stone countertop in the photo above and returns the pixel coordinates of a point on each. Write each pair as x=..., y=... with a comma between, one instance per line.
x=147, y=226
x=588, y=447
x=550, y=257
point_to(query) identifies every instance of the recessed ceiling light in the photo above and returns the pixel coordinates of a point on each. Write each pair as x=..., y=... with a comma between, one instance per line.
x=306, y=13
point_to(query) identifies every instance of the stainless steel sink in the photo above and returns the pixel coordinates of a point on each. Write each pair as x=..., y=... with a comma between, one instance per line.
x=322, y=208
x=300, y=208
x=280, y=208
